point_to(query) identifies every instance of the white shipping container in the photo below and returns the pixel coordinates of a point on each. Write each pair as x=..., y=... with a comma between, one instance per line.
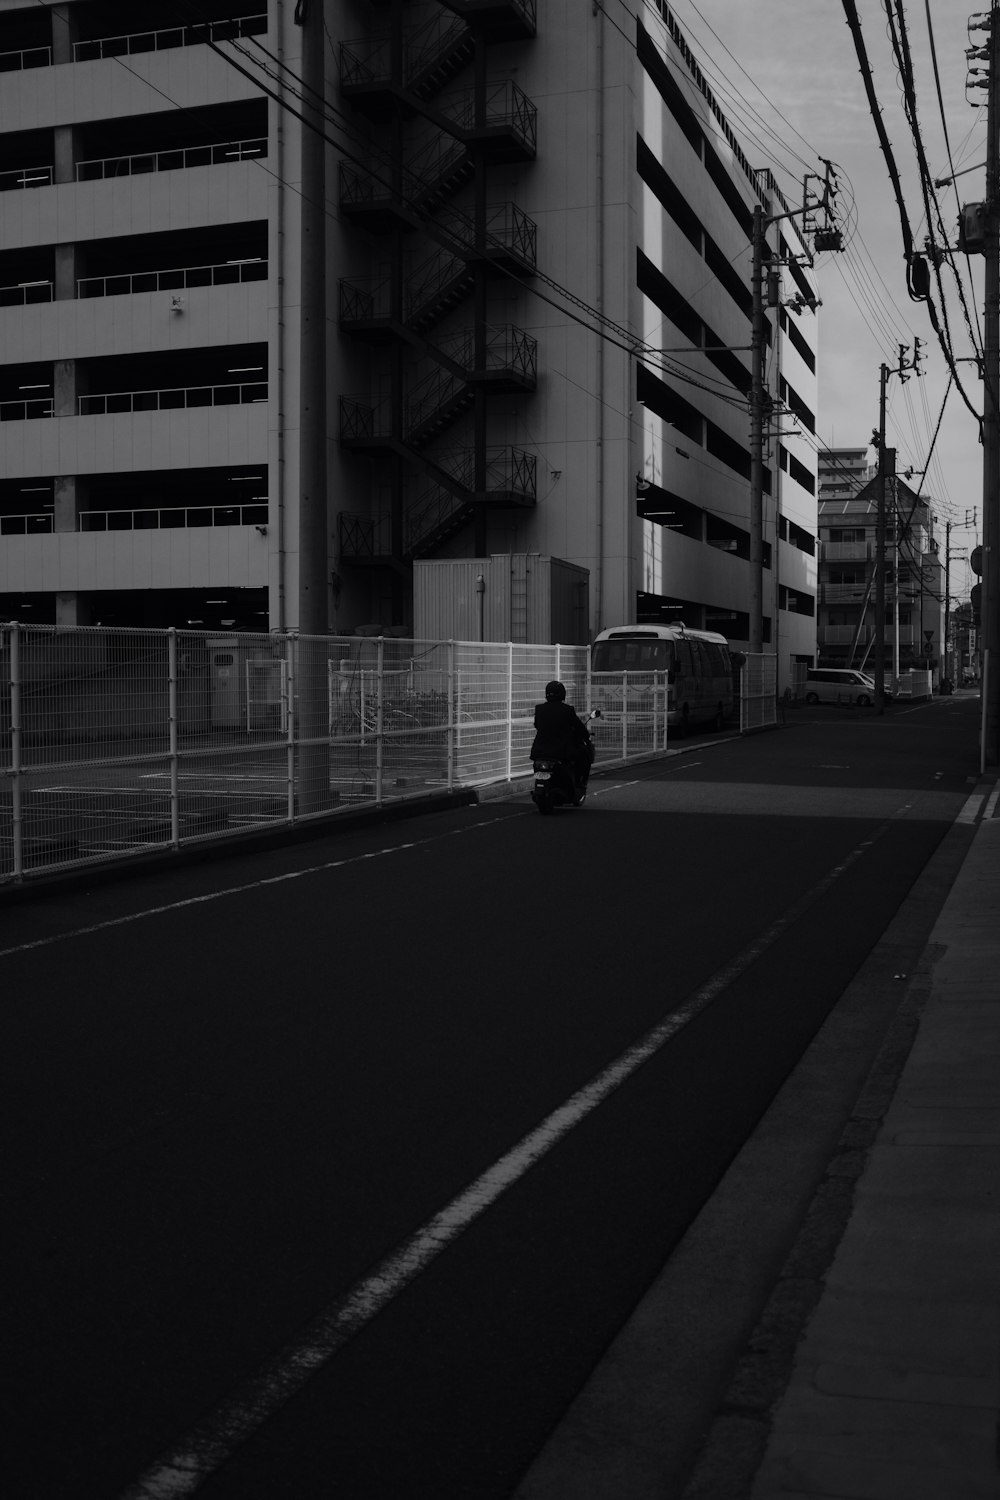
x=519, y=596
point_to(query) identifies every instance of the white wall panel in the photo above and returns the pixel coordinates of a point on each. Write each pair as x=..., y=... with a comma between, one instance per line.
x=145, y=440
x=93, y=327
x=146, y=204
x=109, y=88
x=202, y=557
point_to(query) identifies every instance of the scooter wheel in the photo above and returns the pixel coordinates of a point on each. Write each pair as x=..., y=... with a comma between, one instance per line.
x=544, y=804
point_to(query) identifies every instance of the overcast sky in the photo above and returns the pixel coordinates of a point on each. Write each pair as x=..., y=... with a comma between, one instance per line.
x=786, y=74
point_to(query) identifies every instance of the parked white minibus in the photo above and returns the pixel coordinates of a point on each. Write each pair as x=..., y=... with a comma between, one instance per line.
x=693, y=667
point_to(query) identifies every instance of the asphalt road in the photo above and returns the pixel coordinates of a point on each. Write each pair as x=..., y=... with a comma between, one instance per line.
x=333, y=1170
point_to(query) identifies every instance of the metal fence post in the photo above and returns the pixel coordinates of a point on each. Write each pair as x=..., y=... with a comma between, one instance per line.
x=15, y=749
x=290, y=689
x=624, y=716
x=379, y=718
x=450, y=741
x=175, y=809
x=510, y=705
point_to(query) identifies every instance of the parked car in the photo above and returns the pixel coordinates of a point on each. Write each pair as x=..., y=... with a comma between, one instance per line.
x=839, y=685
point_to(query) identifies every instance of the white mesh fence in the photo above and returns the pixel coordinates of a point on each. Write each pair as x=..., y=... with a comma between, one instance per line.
x=759, y=695
x=115, y=742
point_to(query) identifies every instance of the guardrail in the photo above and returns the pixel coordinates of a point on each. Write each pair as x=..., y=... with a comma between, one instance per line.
x=110, y=402
x=172, y=280
x=171, y=159
x=173, y=36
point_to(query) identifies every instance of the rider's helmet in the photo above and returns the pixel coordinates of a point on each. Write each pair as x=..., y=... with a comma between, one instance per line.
x=555, y=692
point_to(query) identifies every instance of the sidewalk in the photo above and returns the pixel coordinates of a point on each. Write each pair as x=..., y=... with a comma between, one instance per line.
x=895, y=1392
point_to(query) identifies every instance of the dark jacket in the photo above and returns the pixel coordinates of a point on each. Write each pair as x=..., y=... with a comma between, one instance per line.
x=560, y=734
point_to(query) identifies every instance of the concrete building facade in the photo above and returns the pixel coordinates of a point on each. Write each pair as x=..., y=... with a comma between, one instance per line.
x=538, y=247
x=914, y=572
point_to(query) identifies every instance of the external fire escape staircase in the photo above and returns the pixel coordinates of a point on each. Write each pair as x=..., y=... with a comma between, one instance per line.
x=403, y=307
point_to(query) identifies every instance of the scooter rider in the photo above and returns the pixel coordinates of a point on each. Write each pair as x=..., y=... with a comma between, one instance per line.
x=560, y=733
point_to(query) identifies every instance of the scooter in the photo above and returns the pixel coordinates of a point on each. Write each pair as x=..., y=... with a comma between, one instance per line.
x=556, y=784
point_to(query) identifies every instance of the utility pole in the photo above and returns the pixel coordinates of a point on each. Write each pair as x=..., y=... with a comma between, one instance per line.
x=825, y=237
x=311, y=702
x=887, y=473
x=883, y=466
x=947, y=600
x=757, y=437
x=990, y=754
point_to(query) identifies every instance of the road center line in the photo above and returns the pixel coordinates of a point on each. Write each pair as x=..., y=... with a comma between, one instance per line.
x=199, y=1453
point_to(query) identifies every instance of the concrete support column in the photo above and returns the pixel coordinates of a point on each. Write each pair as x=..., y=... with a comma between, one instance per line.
x=64, y=32
x=64, y=387
x=65, y=161
x=72, y=609
x=65, y=495
x=66, y=272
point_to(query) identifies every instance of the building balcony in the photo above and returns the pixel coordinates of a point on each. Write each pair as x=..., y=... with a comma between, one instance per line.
x=504, y=128
x=847, y=551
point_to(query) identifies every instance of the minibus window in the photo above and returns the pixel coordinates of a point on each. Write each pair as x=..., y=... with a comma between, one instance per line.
x=644, y=655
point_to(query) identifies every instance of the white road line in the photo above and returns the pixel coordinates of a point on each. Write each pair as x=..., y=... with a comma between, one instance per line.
x=991, y=805
x=185, y=1467
x=236, y=890
x=971, y=807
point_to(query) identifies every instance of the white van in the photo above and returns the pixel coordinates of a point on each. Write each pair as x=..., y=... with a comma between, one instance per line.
x=839, y=685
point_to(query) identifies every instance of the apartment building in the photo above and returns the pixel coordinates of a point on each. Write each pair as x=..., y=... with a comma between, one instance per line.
x=538, y=230
x=914, y=572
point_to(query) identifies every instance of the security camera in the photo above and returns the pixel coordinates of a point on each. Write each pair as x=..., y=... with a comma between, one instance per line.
x=262, y=530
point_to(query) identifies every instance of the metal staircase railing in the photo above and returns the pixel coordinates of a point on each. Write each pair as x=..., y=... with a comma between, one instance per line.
x=446, y=390
x=432, y=55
